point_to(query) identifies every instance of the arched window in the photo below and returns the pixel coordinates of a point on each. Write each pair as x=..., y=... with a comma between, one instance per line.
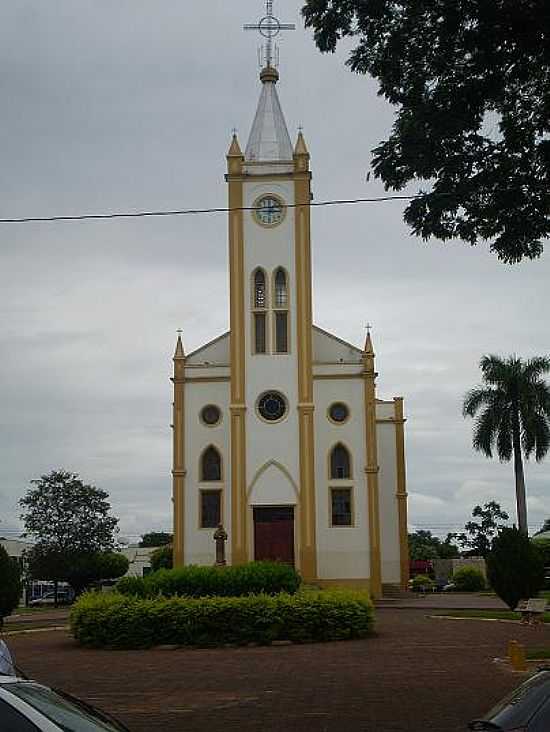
x=340, y=463
x=281, y=294
x=260, y=299
x=280, y=305
x=211, y=465
x=259, y=305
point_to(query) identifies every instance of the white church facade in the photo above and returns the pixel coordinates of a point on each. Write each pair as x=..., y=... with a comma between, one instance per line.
x=278, y=431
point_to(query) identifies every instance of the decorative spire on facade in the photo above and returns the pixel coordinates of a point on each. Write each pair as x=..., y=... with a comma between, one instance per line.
x=368, y=350
x=179, y=352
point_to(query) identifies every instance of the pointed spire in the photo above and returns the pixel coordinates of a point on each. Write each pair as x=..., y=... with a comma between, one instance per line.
x=269, y=140
x=368, y=350
x=301, y=147
x=235, y=149
x=179, y=352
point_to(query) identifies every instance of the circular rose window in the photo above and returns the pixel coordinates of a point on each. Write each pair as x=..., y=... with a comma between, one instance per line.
x=211, y=415
x=272, y=406
x=338, y=412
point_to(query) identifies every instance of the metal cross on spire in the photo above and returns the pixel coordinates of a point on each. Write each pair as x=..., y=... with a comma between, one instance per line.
x=269, y=27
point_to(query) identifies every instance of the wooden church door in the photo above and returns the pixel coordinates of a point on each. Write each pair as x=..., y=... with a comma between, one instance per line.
x=274, y=533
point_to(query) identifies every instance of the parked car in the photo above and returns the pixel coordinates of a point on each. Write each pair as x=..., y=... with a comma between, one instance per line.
x=64, y=597
x=26, y=706
x=526, y=709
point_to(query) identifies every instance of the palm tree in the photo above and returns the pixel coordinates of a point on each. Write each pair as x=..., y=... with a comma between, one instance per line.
x=513, y=415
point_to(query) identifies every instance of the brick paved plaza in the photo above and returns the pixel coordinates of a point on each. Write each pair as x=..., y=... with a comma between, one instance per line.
x=417, y=673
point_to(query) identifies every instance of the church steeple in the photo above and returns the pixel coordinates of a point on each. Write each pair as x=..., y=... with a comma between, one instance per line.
x=269, y=140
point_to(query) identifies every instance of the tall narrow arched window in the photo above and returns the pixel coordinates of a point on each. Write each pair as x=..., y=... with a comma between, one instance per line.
x=340, y=463
x=260, y=300
x=211, y=465
x=280, y=305
x=259, y=315
x=281, y=294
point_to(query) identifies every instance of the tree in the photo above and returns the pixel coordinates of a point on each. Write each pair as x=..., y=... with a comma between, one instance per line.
x=515, y=567
x=469, y=80
x=79, y=569
x=87, y=569
x=62, y=512
x=10, y=584
x=73, y=528
x=155, y=538
x=162, y=558
x=478, y=535
x=513, y=415
x=423, y=545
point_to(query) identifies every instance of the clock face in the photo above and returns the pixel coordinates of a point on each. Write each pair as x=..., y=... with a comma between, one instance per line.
x=269, y=210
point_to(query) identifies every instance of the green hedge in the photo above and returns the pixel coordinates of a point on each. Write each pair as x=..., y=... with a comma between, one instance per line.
x=123, y=622
x=421, y=583
x=255, y=578
x=468, y=579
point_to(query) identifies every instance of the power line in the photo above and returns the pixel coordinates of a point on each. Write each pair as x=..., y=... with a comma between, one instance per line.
x=199, y=211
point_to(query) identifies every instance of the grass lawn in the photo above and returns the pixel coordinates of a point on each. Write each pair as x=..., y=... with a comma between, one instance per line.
x=538, y=653
x=487, y=614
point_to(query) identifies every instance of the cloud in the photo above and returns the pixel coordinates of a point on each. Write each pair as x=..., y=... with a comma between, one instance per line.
x=129, y=108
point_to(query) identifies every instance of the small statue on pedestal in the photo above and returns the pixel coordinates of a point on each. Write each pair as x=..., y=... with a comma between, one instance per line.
x=220, y=537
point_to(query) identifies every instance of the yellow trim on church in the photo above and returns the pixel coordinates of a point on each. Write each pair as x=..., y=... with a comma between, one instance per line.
x=372, y=470
x=238, y=288
x=178, y=455
x=401, y=493
x=304, y=325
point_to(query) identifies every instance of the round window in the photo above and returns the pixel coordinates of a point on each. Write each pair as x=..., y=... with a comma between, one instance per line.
x=338, y=412
x=272, y=406
x=211, y=415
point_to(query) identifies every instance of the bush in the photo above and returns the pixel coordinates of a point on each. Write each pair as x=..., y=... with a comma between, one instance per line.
x=245, y=579
x=10, y=584
x=123, y=622
x=544, y=546
x=162, y=558
x=468, y=579
x=421, y=583
x=515, y=567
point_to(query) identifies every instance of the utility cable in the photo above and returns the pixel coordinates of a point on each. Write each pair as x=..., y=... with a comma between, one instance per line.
x=199, y=211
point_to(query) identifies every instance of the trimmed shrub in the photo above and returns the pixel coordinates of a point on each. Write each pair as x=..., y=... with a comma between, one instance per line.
x=468, y=579
x=10, y=584
x=162, y=558
x=421, y=583
x=515, y=567
x=244, y=579
x=123, y=622
x=544, y=546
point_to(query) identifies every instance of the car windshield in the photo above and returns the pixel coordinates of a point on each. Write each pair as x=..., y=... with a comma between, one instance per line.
x=68, y=713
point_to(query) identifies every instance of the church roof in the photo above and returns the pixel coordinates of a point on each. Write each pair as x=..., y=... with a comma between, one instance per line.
x=269, y=140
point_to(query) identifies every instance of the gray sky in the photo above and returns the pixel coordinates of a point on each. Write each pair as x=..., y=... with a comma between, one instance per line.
x=129, y=105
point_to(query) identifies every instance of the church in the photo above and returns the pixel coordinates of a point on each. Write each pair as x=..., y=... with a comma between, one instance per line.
x=278, y=432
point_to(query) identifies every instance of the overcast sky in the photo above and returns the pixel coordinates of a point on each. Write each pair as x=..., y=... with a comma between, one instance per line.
x=130, y=105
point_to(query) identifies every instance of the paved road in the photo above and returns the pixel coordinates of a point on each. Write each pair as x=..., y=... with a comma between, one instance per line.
x=38, y=619
x=443, y=600
x=416, y=673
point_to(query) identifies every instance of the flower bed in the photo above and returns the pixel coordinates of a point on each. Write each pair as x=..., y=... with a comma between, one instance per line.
x=268, y=578
x=125, y=622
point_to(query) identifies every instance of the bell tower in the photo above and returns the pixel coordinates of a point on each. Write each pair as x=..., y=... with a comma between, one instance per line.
x=271, y=410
